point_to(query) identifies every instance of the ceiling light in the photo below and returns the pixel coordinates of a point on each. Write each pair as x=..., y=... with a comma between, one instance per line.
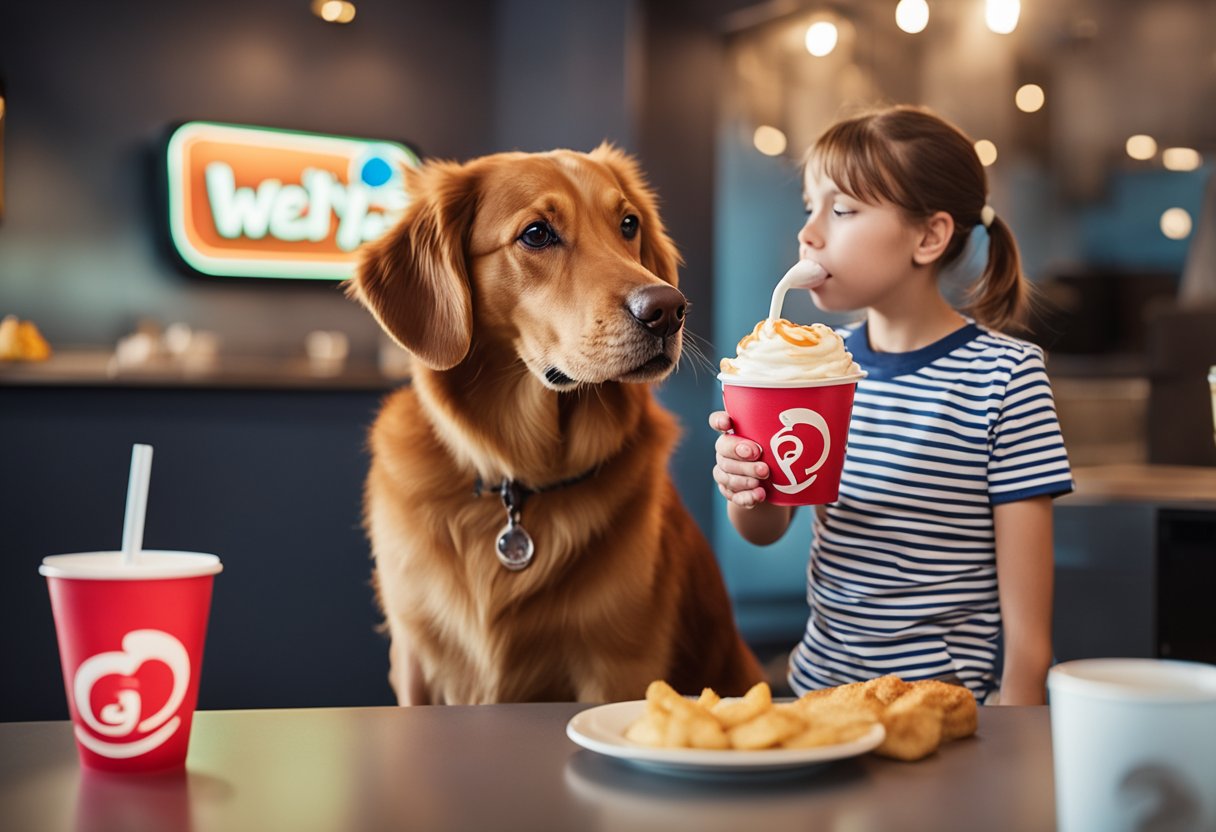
x=1181, y=158
x=1029, y=98
x=1002, y=15
x=912, y=15
x=334, y=11
x=1141, y=146
x=821, y=38
x=986, y=150
x=769, y=140
x=1176, y=223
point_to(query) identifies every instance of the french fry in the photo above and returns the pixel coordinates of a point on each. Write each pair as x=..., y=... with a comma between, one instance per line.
x=662, y=695
x=736, y=712
x=766, y=730
x=698, y=726
x=917, y=716
x=650, y=729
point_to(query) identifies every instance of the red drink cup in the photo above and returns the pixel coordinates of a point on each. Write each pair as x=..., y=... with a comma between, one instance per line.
x=131, y=646
x=802, y=428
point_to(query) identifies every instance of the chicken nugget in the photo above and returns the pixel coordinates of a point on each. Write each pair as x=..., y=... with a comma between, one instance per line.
x=732, y=712
x=914, y=729
x=813, y=695
x=886, y=689
x=770, y=728
x=855, y=696
x=959, y=711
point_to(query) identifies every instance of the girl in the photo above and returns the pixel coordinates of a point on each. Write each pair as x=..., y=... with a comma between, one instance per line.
x=942, y=531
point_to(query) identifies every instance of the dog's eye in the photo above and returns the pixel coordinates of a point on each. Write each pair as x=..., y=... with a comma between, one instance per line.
x=538, y=235
x=629, y=227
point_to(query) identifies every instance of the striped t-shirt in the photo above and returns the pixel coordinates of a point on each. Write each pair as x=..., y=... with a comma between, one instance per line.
x=902, y=575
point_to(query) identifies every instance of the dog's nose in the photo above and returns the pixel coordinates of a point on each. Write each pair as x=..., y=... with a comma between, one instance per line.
x=660, y=309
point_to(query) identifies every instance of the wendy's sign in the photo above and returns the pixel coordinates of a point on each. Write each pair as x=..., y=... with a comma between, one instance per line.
x=255, y=202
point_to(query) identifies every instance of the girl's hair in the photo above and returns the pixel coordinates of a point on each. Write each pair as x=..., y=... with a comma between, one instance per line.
x=922, y=164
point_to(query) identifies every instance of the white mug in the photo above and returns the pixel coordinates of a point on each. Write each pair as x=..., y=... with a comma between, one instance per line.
x=1134, y=745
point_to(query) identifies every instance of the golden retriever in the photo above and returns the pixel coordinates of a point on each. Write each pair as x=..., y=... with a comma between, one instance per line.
x=536, y=295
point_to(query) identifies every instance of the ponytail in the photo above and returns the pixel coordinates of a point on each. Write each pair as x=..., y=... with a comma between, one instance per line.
x=1002, y=296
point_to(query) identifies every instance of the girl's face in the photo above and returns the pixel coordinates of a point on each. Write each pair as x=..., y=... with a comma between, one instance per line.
x=866, y=249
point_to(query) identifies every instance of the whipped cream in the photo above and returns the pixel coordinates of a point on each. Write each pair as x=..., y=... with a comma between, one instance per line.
x=783, y=351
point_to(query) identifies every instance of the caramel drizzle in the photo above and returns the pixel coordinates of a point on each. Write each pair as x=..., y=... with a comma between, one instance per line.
x=794, y=334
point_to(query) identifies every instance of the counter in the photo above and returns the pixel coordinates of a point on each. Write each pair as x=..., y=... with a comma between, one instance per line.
x=99, y=368
x=1172, y=486
x=508, y=767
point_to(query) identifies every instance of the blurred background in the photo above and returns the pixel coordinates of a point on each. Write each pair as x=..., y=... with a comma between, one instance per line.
x=1096, y=121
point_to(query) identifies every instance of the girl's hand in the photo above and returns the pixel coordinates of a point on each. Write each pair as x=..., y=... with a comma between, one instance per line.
x=738, y=471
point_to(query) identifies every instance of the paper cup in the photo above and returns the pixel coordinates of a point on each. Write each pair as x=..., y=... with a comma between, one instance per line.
x=1212, y=386
x=1134, y=744
x=802, y=429
x=131, y=647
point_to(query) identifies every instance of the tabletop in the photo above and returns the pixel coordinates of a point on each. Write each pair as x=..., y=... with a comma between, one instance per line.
x=507, y=767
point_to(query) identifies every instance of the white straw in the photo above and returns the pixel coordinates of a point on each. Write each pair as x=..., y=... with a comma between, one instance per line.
x=137, y=502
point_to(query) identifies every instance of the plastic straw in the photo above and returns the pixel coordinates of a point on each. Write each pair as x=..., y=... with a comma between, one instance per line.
x=137, y=502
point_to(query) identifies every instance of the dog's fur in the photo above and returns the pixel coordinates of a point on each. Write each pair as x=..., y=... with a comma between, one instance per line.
x=624, y=588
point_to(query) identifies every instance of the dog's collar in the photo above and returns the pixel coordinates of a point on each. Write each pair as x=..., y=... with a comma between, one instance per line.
x=517, y=487
x=514, y=546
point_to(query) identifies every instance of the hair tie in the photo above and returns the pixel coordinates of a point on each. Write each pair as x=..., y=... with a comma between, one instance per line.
x=987, y=215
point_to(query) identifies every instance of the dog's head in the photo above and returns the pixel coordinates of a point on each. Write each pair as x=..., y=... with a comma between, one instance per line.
x=560, y=256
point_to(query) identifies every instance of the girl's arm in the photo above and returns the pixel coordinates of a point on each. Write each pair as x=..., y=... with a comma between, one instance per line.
x=1024, y=566
x=762, y=523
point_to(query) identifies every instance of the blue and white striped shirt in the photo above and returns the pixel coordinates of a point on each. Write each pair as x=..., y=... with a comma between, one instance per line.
x=902, y=575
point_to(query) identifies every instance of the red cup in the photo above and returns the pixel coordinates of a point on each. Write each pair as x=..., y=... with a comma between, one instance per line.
x=131, y=646
x=802, y=429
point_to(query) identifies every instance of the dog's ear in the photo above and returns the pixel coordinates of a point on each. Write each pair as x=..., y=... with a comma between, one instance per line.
x=415, y=278
x=659, y=253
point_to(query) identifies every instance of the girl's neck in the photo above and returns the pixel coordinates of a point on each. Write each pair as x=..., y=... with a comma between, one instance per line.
x=913, y=323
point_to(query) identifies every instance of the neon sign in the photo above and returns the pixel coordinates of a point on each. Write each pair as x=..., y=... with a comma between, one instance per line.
x=257, y=202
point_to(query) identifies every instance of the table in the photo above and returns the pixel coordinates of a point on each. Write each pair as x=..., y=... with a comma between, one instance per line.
x=506, y=767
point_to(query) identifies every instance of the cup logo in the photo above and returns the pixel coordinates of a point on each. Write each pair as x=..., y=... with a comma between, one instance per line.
x=1169, y=800
x=787, y=448
x=124, y=716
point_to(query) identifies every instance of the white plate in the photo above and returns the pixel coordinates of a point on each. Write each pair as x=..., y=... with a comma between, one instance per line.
x=602, y=729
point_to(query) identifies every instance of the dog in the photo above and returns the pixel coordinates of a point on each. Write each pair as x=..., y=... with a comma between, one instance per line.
x=529, y=543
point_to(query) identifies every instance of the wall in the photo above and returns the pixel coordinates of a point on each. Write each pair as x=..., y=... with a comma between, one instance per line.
x=92, y=88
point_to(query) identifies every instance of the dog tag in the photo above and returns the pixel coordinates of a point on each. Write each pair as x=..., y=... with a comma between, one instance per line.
x=515, y=546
